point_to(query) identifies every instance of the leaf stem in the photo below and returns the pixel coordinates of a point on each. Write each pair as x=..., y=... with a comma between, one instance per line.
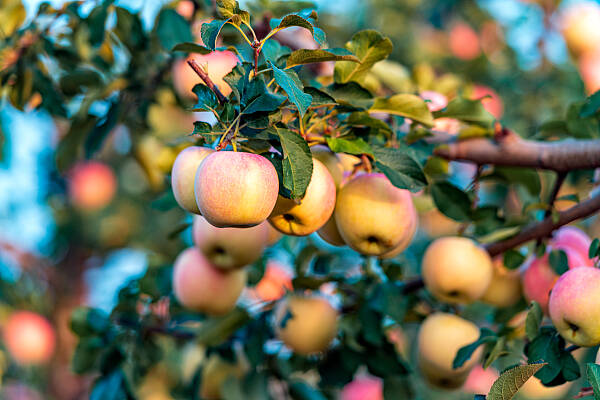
x=242, y=32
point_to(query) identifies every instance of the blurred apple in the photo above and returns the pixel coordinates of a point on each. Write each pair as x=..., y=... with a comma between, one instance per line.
x=589, y=68
x=464, y=41
x=29, y=338
x=579, y=25
x=492, y=103
x=480, y=380
x=217, y=63
x=363, y=388
x=505, y=288
x=276, y=281
x=533, y=389
x=92, y=185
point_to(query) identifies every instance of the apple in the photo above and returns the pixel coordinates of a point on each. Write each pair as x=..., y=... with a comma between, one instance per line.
x=230, y=248
x=492, y=103
x=533, y=389
x=218, y=64
x=480, y=380
x=436, y=224
x=348, y=161
x=575, y=239
x=579, y=25
x=363, y=388
x=456, y=270
x=92, y=185
x=440, y=337
x=214, y=374
x=331, y=161
x=373, y=216
x=330, y=233
x=435, y=100
x=306, y=323
x=405, y=242
x=185, y=8
x=314, y=209
x=183, y=174
x=575, y=306
x=505, y=288
x=589, y=67
x=29, y=338
x=202, y=287
x=464, y=42
x=274, y=236
x=235, y=189
x=276, y=281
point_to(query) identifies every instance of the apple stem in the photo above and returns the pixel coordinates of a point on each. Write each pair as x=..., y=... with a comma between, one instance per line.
x=206, y=79
x=584, y=392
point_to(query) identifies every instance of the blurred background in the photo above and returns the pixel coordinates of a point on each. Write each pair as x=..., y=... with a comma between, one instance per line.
x=79, y=237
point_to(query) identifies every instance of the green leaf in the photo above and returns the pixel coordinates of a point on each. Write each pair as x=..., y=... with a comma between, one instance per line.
x=593, y=376
x=591, y=105
x=291, y=85
x=111, y=387
x=201, y=127
x=216, y=330
x=512, y=259
x=362, y=119
x=369, y=47
x=231, y=9
x=404, y=105
x=533, y=320
x=100, y=132
x=401, y=168
x=210, y=31
x=309, y=56
x=89, y=321
x=497, y=351
x=172, y=28
x=527, y=177
x=559, y=261
x=273, y=50
x=581, y=128
x=191, y=47
x=130, y=31
x=351, y=146
x=351, y=95
x=594, y=247
x=96, y=21
x=467, y=110
x=319, y=98
x=86, y=354
x=207, y=100
x=303, y=21
x=509, y=383
x=464, y=353
x=451, y=201
x=297, y=162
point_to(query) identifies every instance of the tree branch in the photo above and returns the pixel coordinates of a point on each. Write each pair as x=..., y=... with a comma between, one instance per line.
x=206, y=79
x=509, y=149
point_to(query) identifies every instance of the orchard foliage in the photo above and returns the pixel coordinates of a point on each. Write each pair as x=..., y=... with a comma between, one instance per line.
x=102, y=70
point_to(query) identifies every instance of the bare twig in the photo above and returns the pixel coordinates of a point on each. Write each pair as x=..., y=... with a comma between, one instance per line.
x=206, y=79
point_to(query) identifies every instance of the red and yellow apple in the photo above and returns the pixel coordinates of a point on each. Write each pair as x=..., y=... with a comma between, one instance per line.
x=92, y=185
x=29, y=338
x=276, y=281
x=183, y=174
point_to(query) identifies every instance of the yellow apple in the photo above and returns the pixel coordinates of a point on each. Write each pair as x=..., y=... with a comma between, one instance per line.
x=505, y=288
x=331, y=162
x=183, y=174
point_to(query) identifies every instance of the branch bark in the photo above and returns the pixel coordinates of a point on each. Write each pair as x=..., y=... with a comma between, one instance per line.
x=509, y=149
x=206, y=79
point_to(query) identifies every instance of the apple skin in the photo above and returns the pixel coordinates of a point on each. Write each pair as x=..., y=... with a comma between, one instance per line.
x=575, y=306
x=330, y=233
x=456, y=270
x=309, y=323
x=575, y=239
x=235, y=189
x=315, y=208
x=480, y=380
x=331, y=161
x=92, y=185
x=202, y=287
x=348, y=161
x=440, y=337
x=363, y=388
x=505, y=288
x=219, y=64
x=183, y=174
x=373, y=216
x=276, y=281
x=214, y=373
x=274, y=236
x=405, y=242
x=230, y=248
x=29, y=338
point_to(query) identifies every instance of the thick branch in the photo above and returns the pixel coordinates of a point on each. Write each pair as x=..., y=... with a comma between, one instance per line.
x=546, y=227
x=512, y=150
x=206, y=79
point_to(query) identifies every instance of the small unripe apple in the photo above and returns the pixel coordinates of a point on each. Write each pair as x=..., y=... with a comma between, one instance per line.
x=363, y=388
x=306, y=324
x=229, y=248
x=456, y=270
x=313, y=211
x=575, y=306
x=92, y=185
x=214, y=374
x=505, y=288
x=480, y=380
x=29, y=338
x=202, y=287
x=373, y=216
x=235, y=189
x=440, y=337
x=183, y=174
x=276, y=281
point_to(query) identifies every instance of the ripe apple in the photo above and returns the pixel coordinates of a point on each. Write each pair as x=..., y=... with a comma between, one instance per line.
x=363, y=388
x=373, y=216
x=493, y=103
x=92, y=185
x=405, y=242
x=533, y=389
x=579, y=25
x=274, y=236
x=505, y=288
x=183, y=174
x=464, y=42
x=331, y=161
x=214, y=374
x=235, y=189
x=314, y=209
x=440, y=337
x=276, y=281
x=29, y=338
x=575, y=306
x=229, y=248
x=348, y=161
x=456, y=270
x=480, y=380
x=306, y=324
x=202, y=287
x=330, y=233
x=575, y=239
x=218, y=63
x=436, y=224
